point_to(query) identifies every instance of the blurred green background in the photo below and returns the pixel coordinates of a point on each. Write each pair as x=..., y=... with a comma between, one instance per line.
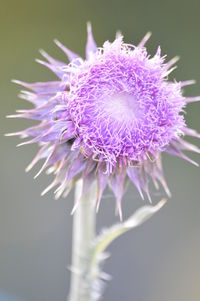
x=161, y=259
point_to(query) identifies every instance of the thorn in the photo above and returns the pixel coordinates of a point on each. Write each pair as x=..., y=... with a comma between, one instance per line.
x=46, y=162
x=47, y=189
x=145, y=39
x=18, y=82
x=98, y=204
x=12, y=134
x=89, y=26
x=140, y=192
x=160, y=204
x=118, y=34
x=192, y=99
x=173, y=61
x=187, y=82
x=24, y=143
x=119, y=209
x=41, y=62
x=12, y=116
x=75, y=207
x=170, y=70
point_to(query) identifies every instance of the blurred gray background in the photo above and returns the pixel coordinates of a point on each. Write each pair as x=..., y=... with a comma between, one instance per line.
x=161, y=259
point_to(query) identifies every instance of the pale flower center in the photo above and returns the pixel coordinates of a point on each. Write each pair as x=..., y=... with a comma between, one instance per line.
x=122, y=107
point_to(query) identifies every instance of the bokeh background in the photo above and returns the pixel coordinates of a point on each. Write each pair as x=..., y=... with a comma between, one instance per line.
x=161, y=259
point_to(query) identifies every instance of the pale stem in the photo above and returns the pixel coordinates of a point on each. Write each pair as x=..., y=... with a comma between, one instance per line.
x=84, y=225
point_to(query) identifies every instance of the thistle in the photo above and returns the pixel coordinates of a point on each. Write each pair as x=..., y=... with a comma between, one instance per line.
x=107, y=119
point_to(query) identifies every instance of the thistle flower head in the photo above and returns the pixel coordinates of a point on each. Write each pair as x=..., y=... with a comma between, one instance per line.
x=108, y=117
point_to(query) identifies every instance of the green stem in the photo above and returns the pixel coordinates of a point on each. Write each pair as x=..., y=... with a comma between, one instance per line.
x=84, y=224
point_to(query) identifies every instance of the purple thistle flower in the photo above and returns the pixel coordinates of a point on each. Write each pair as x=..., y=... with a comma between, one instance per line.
x=108, y=117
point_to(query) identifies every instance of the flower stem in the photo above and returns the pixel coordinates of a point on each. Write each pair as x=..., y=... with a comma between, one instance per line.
x=84, y=224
